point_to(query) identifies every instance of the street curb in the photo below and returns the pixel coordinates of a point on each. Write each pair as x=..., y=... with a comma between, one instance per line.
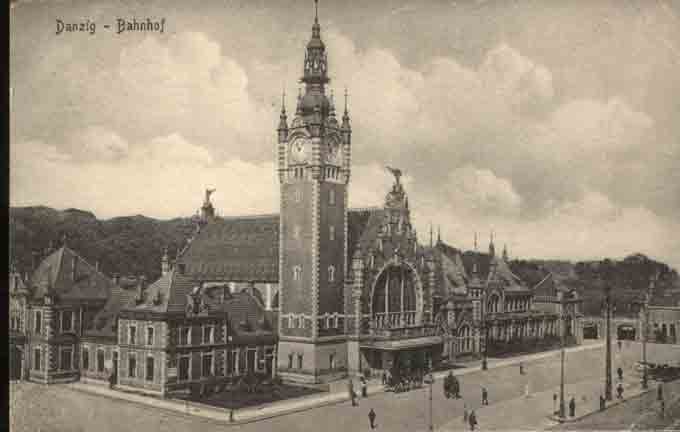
x=375, y=390
x=586, y=415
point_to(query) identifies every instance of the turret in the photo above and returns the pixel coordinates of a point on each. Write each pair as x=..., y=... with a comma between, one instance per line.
x=165, y=262
x=283, y=121
x=492, y=249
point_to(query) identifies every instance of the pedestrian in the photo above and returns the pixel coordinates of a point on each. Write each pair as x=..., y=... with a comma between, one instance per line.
x=384, y=378
x=602, y=403
x=619, y=371
x=572, y=407
x=371, y=418
x=663, y=408
x=112, y=379
x=231, y=415
x=364, y=392
x=472, y=419
x=485, y=396
x=350, y=391
x=521, y=368
x=619, y=391
x=618, y=342
x=465, y=413
x=659, y=392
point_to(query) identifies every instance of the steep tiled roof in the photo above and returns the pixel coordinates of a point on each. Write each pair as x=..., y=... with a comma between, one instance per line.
x=363, y=228
x=453, y=275
x=170, y=294
x=56, y=275
x=103, y=323
x=236, y=249
x=167, y=294
x=247, y=248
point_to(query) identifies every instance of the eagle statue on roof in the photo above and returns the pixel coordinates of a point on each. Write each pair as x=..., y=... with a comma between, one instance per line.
x=396, y=172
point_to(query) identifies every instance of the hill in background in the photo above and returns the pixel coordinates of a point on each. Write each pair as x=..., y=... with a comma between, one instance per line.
x=133, y=245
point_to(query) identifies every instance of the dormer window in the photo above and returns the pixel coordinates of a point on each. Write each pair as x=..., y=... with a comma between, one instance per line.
x=297, y=272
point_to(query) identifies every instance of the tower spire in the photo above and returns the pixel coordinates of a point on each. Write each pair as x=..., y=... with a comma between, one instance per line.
x=316, y=11
x=439, y=234
x=431, y=235
x=331, y=111
x=492, y=249
x=475, y=241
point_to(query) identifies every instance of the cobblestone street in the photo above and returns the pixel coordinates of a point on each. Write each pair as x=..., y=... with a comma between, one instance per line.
x=59, y=408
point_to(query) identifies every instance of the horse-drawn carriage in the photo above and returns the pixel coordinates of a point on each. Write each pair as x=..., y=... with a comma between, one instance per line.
x=398, y=381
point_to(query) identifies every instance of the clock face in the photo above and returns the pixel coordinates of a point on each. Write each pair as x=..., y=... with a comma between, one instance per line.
x=298, y=150
x=333, y=152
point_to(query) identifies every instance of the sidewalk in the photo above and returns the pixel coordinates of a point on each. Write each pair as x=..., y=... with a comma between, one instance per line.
x=535, y=412
x=338, y=393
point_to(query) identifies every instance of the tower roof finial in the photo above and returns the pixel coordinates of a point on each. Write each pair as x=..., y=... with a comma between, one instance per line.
x=316, y=11
x=346, y=95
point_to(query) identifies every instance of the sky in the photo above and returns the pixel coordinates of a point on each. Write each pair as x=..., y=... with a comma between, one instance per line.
x=556, y=125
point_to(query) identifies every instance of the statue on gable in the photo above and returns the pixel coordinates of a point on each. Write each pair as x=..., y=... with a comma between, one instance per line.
x=395, y=197
x=208, y=192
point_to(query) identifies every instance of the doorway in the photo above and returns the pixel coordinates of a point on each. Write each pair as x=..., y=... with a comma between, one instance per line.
x=16, y=361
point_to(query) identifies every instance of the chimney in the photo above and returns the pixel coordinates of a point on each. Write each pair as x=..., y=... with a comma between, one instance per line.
x=141, y=287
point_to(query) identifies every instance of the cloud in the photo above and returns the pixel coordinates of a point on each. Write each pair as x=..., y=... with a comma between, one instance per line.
x=98, y=143
x=480, y=192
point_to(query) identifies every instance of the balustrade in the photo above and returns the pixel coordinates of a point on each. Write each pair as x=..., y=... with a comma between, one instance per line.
x=389, y=320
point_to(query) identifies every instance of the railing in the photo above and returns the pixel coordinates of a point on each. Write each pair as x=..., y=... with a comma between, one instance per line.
x=404, y=332
x=390, y=320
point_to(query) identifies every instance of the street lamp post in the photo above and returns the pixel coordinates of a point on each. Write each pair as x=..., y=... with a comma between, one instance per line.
x=430, y=381
x=608, y=352
x=563, y=316
x=645, y=335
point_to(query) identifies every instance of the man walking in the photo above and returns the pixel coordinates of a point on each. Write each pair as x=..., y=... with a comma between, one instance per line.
x=485, y=396
x=364, y=392
x=465, y=413
x=521, y=368
x=619, y=391
x=659, y=392
x=572, y=407
x=371, y=418
x=619, y=371
x=472, y=420
x=350, y=390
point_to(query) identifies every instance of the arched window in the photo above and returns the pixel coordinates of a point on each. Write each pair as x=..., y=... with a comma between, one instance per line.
x=331, y=273
x=297, y=272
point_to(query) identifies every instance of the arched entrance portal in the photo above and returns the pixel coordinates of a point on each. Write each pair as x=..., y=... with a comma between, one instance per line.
x=395, y=300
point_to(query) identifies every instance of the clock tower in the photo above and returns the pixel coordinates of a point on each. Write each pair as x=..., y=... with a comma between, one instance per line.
x=314, y=172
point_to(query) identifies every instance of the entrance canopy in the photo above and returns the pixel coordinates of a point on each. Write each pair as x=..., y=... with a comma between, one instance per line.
x=402, y=344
